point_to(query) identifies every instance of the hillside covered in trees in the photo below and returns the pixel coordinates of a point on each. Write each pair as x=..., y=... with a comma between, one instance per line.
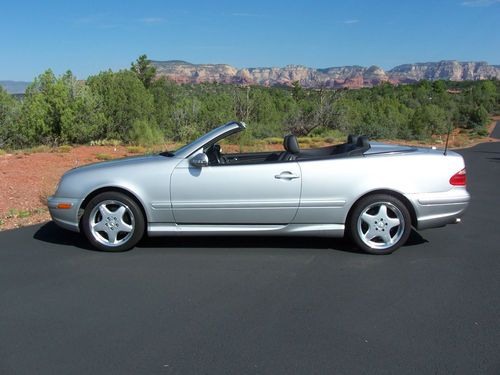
x=134, y=106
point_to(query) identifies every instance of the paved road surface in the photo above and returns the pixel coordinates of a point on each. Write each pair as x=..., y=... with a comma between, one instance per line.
x=259, y=306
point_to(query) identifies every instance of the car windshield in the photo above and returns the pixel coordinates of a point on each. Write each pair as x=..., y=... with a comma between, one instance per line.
x=203, y=139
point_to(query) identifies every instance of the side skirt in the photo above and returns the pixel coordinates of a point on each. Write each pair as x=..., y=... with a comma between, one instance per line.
x=321, y=230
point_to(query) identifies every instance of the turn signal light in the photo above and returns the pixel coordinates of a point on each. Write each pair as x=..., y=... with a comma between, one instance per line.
x=459, y=178
x=64, y=206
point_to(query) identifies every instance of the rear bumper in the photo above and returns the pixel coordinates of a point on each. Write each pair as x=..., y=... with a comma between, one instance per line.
x=66, y=218
x=439, y=209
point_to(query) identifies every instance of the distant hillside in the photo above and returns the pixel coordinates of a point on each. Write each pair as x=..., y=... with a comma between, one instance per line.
x=334, y=77
x=14, y=87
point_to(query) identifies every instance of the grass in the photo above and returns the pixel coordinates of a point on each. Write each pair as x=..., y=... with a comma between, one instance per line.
x=104, y=156
x=64, y=148
x=2, y=152
x=106, y=142
x=273, y=140
x=37, y=149
x=14, y=213
x=136, y=150
x=23, y=214
x=305, y=140
x=2, y=222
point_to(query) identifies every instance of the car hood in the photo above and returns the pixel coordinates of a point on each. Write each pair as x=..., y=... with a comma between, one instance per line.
x=125, y=162
x=126, y=173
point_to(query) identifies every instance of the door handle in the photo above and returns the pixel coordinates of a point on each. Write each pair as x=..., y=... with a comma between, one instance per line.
x=286, y=176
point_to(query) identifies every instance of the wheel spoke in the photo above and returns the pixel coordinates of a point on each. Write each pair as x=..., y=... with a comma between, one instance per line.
x=367, y=218
x=120, y=212
x=112, y=234
x=386, y=237
x=370, y=234
x=124, y=227
x=382, y=212
x=392, y=222
x=104, y=211
x=100, y=226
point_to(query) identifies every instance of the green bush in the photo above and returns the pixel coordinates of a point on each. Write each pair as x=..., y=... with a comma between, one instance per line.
x=145, y=133
x=129, y=107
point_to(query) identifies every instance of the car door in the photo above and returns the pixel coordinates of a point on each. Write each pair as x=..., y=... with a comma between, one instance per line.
x=265, y=193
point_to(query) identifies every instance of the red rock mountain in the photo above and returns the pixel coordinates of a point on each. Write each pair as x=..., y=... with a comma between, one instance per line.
x=334, y=77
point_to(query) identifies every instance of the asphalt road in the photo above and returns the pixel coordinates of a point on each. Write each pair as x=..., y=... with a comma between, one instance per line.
x=259, y=306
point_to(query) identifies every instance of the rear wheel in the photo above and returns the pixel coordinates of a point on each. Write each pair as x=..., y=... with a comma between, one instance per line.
x=113, y=221
x=379, y=224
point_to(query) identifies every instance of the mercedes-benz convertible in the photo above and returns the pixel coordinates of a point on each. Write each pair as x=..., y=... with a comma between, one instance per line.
x=373, y=192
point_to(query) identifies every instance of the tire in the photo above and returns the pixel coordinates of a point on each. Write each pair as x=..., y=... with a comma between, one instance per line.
x=112, y=221
x=379, y=224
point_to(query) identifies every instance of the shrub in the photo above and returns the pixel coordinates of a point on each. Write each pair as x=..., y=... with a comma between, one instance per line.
x=106, y=142
x=23, y=213
x=12, y=213
x=64, y=148
x=273, y=140
x=39, y=149
x=483, y=132
x=103, y=156
x=145, y=133
x=136, y=150
x=305, y=140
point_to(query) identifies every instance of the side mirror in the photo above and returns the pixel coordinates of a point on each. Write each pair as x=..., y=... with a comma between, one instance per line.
x=199, y=160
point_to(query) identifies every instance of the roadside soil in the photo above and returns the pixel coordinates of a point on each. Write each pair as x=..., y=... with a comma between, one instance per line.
x=27, y=179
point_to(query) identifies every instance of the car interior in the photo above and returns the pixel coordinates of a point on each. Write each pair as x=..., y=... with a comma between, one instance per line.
x=355, y=146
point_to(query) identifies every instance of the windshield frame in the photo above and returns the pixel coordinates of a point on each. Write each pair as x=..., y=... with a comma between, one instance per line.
x=217, y=133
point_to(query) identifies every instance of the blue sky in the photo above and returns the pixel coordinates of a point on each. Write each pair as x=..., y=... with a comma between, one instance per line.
x=90, y=36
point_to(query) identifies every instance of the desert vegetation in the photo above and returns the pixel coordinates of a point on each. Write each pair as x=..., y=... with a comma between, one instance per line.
x=135, y=107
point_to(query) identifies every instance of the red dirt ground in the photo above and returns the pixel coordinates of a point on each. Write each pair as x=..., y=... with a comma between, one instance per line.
x=27, y=179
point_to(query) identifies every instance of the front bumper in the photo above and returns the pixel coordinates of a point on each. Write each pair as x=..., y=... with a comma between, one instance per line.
x=435, y=210
x=66, y=218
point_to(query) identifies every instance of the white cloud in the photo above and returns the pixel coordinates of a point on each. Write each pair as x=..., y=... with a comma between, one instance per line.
x=350, y=22
x=151, y=20
x=479, y=3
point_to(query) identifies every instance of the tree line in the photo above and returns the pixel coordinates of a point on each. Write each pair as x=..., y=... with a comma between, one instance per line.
x=134, y=106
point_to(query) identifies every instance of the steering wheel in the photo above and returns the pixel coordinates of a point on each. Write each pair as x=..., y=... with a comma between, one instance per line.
x=215, y=155
x=218, y=154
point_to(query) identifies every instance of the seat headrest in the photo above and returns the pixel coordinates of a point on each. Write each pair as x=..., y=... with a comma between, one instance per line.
x=291, y=144
x=362, y=145
x=352, y=139
x=363, y=142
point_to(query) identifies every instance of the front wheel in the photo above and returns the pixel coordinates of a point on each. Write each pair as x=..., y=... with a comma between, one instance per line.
x=379, y=224
x=113, y=221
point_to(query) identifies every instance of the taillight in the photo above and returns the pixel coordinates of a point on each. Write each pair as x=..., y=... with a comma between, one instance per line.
x=459, y=178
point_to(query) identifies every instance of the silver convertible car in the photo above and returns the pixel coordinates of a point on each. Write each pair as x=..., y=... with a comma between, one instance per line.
x=373, y=192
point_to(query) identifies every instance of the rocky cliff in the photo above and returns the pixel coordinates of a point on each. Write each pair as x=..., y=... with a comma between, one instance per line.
x=334, y=77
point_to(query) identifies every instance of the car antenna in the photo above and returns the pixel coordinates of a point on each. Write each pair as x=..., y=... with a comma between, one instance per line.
x=447, y=139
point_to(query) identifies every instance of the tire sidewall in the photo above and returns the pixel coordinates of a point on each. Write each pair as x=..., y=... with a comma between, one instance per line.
x=132, y=205
x=365, y=202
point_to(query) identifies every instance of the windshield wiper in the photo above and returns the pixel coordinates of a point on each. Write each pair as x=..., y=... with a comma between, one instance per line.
x=168, y=154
